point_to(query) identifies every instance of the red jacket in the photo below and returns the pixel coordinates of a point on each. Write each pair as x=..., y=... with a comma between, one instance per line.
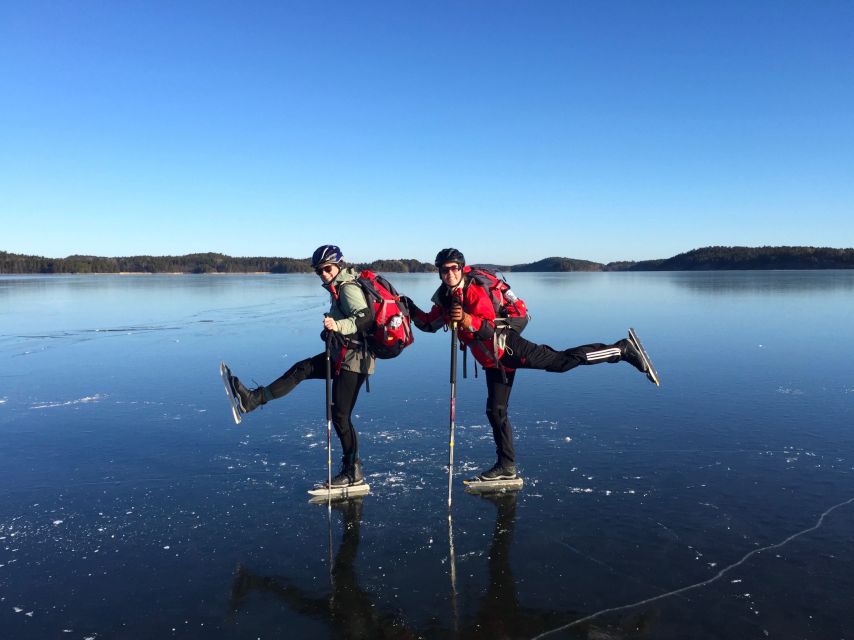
x=479, y=337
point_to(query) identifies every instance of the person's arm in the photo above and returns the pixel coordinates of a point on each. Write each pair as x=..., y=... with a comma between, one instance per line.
x=354, y=306
x=430, y=322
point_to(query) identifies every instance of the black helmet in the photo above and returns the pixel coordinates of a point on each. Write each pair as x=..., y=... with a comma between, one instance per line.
x=450, y=255
x=326, y=254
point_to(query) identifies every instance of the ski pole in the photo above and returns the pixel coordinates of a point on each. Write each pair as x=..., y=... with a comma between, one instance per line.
x=329, y=419
x=453, y=409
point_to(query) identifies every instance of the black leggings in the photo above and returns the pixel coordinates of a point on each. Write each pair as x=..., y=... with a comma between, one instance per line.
x=345, y=391
x=523, y=354
x=498, y=390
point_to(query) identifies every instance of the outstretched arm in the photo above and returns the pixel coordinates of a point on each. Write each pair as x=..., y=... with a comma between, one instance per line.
x=430, y=322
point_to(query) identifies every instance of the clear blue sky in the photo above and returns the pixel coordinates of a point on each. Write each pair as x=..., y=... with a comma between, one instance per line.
x=513, y=130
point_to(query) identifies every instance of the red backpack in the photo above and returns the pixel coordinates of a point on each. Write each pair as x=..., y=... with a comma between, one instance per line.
x=505, y=302
x=389, y=332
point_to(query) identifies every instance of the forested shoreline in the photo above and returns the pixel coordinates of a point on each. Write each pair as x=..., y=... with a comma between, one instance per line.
x=707, y=258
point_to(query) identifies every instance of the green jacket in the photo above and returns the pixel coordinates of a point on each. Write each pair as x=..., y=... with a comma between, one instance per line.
x=348, y=304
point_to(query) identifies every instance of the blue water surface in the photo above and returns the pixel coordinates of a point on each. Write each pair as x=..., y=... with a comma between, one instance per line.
x=720, y=505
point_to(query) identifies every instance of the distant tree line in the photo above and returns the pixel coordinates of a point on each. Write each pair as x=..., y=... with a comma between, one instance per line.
x=714, y=258
x=559, y=264
x=192, y=263
x=396, y=266
x=764, y=258
x=707, y=258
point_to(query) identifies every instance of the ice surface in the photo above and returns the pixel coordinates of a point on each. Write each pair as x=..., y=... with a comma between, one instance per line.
x=129, y=497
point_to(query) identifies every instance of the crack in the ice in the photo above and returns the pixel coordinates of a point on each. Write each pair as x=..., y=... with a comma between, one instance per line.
x=717, y=576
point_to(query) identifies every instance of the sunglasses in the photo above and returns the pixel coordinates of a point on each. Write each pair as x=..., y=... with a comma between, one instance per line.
x=325, y=269
x=452, y=269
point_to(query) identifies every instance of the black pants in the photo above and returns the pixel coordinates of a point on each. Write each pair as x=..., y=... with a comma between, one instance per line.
x=523, y=354
x=345, y=391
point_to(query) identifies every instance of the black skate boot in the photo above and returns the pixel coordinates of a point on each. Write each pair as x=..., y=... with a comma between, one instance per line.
x=249, y=400
x=499, y=471
x=632, y=351
x=350, y=474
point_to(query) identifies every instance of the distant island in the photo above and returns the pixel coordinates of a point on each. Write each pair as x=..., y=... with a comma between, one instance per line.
x=707, y=258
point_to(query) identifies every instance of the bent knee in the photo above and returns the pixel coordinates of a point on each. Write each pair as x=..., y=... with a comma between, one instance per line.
x=496, y=412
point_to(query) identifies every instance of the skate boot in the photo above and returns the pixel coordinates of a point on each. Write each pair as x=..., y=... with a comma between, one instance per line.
x=249, y=400
x=350, y=474
x=499, y=471
x=632, y=351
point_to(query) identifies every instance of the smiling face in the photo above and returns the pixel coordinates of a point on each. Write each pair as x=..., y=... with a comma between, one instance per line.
x=451, y=273
x=328, y=272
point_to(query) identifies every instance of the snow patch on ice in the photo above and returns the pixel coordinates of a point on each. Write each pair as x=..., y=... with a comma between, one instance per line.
x=51, y=405
x=395, y=478
x=789, y=391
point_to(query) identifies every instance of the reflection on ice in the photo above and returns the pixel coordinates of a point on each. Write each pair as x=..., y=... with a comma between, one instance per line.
x=351, y=610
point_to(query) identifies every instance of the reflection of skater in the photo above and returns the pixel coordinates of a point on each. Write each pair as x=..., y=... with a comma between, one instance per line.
x=500, y=615
x=348, y=315
x=351, y=612
x=490, y=328
x=349, y=609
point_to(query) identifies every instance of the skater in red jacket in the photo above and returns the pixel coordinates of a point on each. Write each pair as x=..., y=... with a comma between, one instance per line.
x=489, y=320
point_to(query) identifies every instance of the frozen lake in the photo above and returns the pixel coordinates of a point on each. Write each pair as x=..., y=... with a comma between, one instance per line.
x=718, y=506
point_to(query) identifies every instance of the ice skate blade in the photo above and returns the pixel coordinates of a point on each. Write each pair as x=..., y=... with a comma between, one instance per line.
x=322, y=494
x=651, y=373
x=476, y=485
x=224, y=372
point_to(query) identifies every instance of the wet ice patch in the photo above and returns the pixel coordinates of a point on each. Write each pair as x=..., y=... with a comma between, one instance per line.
x=85, y=400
